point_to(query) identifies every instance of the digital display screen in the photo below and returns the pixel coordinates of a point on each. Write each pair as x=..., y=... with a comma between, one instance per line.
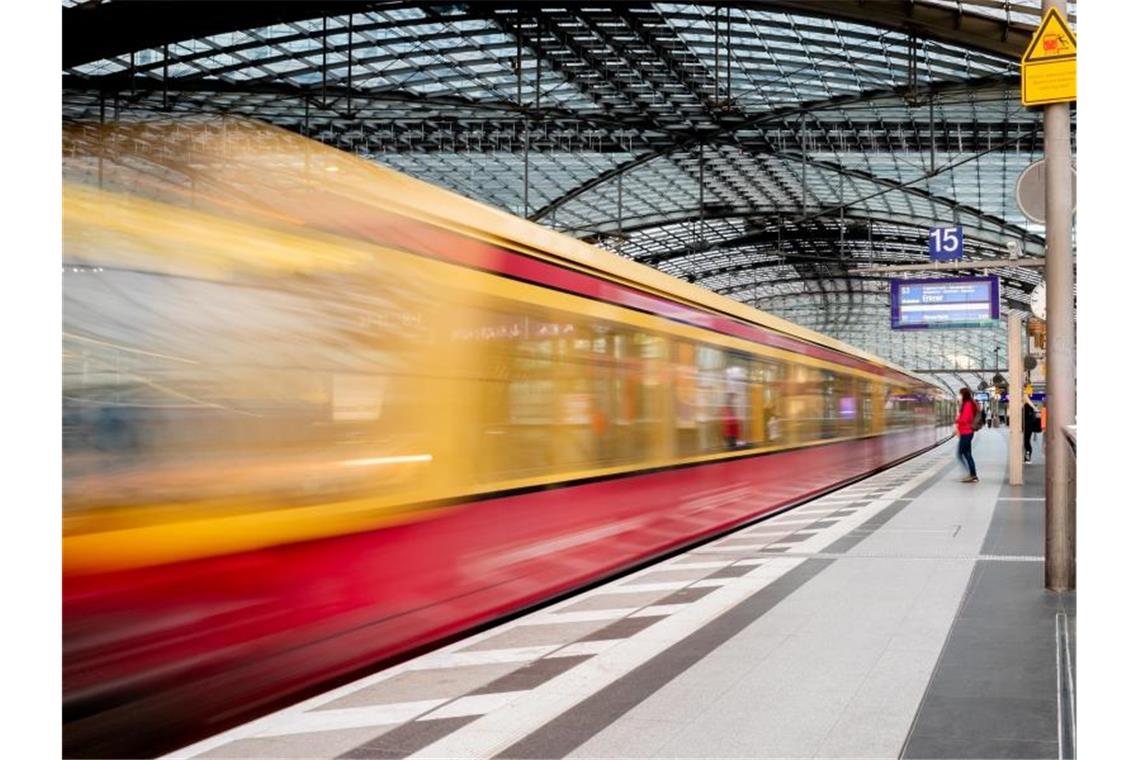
x=945, y=303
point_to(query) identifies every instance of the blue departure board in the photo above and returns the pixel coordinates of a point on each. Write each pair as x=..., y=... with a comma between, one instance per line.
x=948, y=302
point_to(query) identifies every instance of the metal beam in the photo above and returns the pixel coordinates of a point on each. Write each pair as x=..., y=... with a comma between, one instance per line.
x=957, y=266
x=953, y=370
x=954, y=26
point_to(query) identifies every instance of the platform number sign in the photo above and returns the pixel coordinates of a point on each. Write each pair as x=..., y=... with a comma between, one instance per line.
x=945, y=243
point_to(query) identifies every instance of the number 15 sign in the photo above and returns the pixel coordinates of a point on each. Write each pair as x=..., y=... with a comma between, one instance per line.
x=945, y=243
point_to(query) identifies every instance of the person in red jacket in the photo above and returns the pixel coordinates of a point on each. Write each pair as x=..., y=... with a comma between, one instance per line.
x=965, y=429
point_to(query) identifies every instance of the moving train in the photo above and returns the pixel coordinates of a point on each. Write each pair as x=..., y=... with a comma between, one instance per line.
x=318, y=415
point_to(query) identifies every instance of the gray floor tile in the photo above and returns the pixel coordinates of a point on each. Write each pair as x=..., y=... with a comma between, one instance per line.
x=418, y=685
x=989, y=717
x=318, y=744
x=533, y=675
x=929, y=747
x=686, y=595
x=615, y=601
x=734, y=571
x=538, y=635
x=622, y=629
x=408, y=738
x=670, y=576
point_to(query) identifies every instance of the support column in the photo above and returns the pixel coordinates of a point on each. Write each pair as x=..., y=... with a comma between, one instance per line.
x=1060, y=347
x=1016, y=400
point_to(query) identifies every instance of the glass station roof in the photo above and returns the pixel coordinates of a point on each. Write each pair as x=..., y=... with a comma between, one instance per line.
x=764, y=152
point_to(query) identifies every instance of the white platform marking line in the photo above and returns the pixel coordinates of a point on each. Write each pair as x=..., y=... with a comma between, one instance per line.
x=778, y=523
x=636, y=587
x=474, y=704
x=349, y=717
x=711, y=582
x=584, y=616
x=1060, y=711
x=654, y=610
x=478, y=657
x=587, y=647
x=696, y=565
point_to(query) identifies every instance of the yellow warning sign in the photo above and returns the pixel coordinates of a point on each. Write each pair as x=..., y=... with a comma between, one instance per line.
x=1049, y=65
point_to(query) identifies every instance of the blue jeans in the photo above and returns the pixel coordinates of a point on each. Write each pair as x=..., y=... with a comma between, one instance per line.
x=965, y=456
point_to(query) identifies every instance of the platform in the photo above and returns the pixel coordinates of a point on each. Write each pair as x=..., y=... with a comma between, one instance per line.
x=902, y=616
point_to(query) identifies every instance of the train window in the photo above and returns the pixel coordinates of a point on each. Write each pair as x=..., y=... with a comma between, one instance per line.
x=802, y=404
x=653, y=403
x=737, y=408
x=839, y=406
x=844, y=406
x=899, y=408
x=863, y=388
x=686, y=397
x=621, y=395
x=711, y=387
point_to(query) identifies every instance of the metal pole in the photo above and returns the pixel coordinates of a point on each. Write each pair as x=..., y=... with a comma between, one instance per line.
x=803, y=164
x=621, y=231
x=526, y=127
x=701, y=200
x=728, y=58
x=1016, y=390
x=932, y=166
x=1060, y=348
x=348, y=86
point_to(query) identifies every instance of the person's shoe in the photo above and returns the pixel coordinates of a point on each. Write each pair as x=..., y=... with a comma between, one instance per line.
x=970, y=479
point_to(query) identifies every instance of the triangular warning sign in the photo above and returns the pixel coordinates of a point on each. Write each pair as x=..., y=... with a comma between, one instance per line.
x=1052, y=41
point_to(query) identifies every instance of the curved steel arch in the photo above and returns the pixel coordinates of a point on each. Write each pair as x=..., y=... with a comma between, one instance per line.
x=98, y=31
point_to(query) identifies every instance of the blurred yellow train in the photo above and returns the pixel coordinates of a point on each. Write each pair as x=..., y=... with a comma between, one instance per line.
x=317, y=413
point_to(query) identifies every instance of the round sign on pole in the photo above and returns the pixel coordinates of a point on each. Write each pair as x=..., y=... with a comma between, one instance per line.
x=1031, y=191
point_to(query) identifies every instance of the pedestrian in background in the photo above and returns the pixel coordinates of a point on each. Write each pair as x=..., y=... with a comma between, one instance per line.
x=965, y=426
x=1030, y=424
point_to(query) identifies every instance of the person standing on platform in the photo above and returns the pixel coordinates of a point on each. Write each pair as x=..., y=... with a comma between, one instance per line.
x=1030, y=424
x=965, y=426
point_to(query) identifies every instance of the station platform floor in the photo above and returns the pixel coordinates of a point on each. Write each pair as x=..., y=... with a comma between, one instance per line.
x=903, y=616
